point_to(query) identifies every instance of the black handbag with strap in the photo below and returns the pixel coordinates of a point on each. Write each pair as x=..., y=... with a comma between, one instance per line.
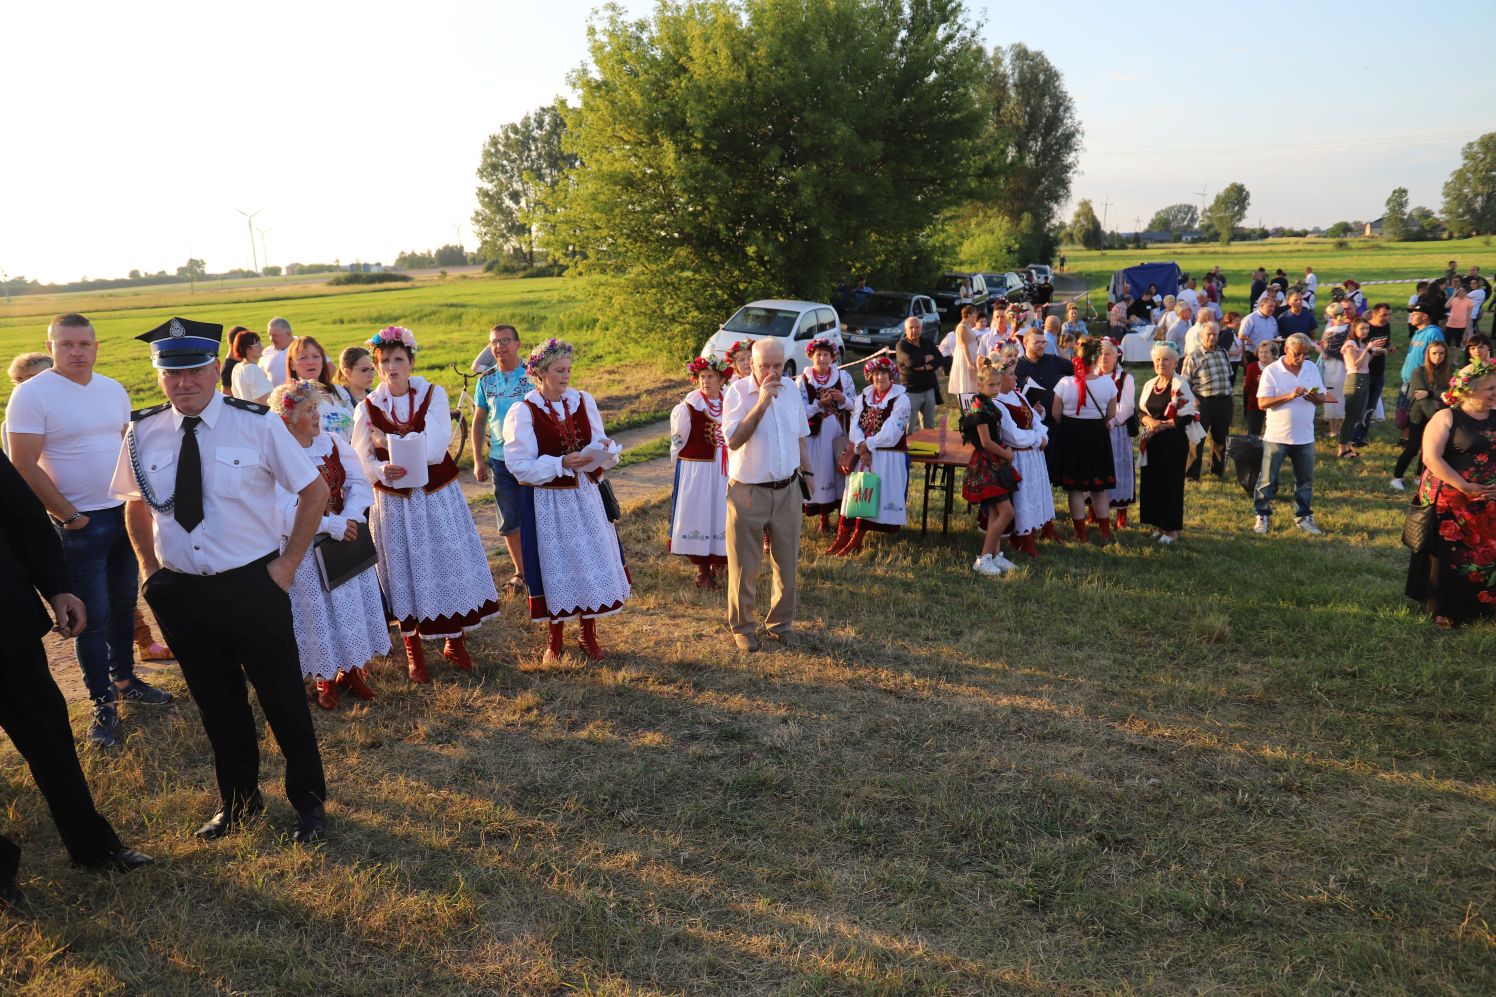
x=610, y=501
x=1421, y=526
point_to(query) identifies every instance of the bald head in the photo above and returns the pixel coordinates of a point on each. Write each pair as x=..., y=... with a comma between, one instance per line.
x=768, y=360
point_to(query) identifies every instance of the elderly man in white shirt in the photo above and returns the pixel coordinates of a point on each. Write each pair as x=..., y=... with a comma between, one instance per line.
x=273, y=360
x=1175, y=324
x=764, y=424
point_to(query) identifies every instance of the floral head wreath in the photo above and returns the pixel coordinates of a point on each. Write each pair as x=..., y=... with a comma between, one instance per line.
x=701, y=365
x=880, y=363
x=738, y=347
x=289, y=397
x=392, y=334
x=1461, y=383
x=822, y=344
x=546, y=354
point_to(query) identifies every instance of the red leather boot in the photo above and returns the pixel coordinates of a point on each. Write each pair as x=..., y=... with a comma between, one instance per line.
x=1105, y=526
x=353, y=681
x=1048, y=533
x=854, y=543
x=824, y=526
x=587, y=641
x=415, y=660
x=1080, y=530
x=1122, y=517
x=704, y=579
x=557, y=645
x=843, y=535
x=455, y=651
x=327, y=695
x=1026, y=544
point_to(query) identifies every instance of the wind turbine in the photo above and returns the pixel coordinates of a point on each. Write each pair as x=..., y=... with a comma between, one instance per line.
x=457, y=227
x=249, y=221
x=1204, y=189
x=263, y=251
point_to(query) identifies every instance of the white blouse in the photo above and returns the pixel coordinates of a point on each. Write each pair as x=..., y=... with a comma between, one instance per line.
x=522, y=454
x=1023, y=439
x=1100, y=389
x=357, y=495
x=438, y=431
x=892, y=430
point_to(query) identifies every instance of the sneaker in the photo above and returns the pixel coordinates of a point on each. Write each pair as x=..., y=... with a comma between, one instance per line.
x=987, y=565
x=1165, y=539
x=1261, y=525
x=1004, y=563
x=981, y=560
x=1396, y=484
x=105, y=730
x=146, y=695
x=1307, y=525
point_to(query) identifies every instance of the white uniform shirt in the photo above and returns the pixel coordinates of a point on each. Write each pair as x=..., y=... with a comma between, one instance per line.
x=244, y=456
x=249, y=382
x=1291, y=422
x=80, y=426
x=772, y=453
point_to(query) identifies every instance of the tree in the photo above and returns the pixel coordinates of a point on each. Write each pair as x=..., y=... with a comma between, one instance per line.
x=1035, y=131
x=521, y=164
x=1395, y=217
x=451, y=255
x=1228, y=209
x=192, y=268
x=1174, y=219
x=1424, y=225
x=1470, y=191
x=1085, y=227
x=1338, y=231
x=135, y=275
x=739, y=149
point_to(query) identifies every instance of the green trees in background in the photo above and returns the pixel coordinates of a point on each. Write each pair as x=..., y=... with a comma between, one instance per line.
x=1395, y=215
x=1470, y=191
x=521, y=164
x=1174, y=219
x=1085, y=227
x=1228, y=210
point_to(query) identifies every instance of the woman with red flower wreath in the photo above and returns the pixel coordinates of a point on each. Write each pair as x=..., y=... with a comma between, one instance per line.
x=740, y=359
x=880, y=423
x=698, y=501
x=573, y=561
x=1083, y=409
x=432, y=567
x=1455, y=576
x=828, y=393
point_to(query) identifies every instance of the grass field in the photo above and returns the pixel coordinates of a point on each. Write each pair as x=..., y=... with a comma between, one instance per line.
x=450, y=317
x=1238, y=765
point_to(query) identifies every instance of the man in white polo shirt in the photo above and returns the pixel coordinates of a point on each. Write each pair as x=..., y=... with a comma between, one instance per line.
x=764, y=424
x=1289, y=392
x=65, y=426
x=273, y=360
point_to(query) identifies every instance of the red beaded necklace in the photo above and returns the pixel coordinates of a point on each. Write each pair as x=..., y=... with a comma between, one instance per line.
x=879, y=396
x=410, y=409
x=713, y=406
x=565, y=423
x=820, y=381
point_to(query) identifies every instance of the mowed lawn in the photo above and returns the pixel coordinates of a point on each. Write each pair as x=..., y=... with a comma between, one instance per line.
x=1240, y=764
x=450, y=316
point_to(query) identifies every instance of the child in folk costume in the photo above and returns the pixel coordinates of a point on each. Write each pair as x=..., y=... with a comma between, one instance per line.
x=1025, y=434
x=740, y=359
x=573, y=561
x=990, y=480
x=1121, y=495
x=828, y=393
x=880, y=422
x=698, y=504
x=337, y=631
x=432, y=566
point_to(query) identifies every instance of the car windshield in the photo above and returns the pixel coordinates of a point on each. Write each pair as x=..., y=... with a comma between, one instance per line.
x=756, y=321
x=950, y=282
x=880, y=304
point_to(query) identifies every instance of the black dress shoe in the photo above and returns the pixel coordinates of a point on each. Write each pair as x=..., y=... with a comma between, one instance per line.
x=127, y=860
x=311, y=827
x=225, y=821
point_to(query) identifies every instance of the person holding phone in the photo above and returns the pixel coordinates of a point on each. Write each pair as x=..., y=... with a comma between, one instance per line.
x=1356, y=352
x=1289, y=392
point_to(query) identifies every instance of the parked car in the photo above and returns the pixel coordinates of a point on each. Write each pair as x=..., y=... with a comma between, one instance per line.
x=1041, y=272
x=793, y=323
x=947, y=294
x=1008, y=286
x=878, y=319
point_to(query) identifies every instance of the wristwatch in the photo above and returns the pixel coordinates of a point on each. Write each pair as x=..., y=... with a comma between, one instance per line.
x=70, y=520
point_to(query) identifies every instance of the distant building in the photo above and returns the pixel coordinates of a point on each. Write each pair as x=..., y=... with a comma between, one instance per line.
x=1152, y=237
x=1373, y=227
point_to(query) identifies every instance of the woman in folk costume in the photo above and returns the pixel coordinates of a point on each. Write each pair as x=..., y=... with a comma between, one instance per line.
x=432, y=566
x=573, y=561
x=828, y=393
x=1083, y=405
x=880, y=422
x=740, y=359
x=337, y=631
x=1120, y=496
x=1026, y=435
x=698, y=504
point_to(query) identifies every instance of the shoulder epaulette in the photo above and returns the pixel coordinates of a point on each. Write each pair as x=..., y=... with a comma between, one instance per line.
x=246, y=405
x=146, y=413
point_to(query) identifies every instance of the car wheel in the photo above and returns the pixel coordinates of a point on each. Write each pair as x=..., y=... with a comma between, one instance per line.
x=789, y=368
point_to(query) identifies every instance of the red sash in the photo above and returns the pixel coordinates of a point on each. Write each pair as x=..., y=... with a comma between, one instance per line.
x=439, y=475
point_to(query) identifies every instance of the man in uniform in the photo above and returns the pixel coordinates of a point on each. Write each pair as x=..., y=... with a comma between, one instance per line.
x=199, y=474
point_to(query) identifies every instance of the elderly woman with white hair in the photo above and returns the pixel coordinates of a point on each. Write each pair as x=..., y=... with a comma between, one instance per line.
x=1166, y=407
x=573, y=561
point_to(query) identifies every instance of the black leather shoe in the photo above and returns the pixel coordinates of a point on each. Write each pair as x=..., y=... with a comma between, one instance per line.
x=311, y=827
x=127, y=860
x=223, y=822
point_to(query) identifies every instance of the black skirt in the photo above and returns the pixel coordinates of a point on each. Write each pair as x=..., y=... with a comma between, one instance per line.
x=1085, y=455
x=1161, y=481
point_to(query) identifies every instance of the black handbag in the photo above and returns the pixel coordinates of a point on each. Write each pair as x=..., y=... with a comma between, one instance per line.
x=1420, y=528
x=1133, y=427
x=610, y=501
x=340, y=561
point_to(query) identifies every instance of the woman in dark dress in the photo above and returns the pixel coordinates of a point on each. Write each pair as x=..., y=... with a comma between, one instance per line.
x=1165, y=408
x=1455, y=578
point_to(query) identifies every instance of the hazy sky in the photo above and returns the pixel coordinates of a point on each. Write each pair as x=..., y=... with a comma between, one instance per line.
x=134, y=130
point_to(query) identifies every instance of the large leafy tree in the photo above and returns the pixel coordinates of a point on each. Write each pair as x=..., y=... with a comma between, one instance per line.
x=1034, y=130
x=1395, y=217
x=521, y=162
x=1470, y=191
x=1174, y=219
x=1228, y=209
x=734, y=150
x=1085, y=227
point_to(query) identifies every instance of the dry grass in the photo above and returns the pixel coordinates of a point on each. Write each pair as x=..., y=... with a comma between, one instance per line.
x=1238, y=765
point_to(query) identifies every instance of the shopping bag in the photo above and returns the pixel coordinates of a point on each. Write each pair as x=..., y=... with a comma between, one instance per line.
x=863, y=494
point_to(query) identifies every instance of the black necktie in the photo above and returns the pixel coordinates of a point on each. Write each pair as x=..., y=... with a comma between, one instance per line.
x=189, y=507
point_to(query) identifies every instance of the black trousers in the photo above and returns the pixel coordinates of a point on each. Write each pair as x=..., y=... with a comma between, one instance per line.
x=226, y=627
x=1215, y=416
x=35, y=715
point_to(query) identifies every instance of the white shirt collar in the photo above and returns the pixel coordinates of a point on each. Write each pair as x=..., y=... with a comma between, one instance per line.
x=209, y=414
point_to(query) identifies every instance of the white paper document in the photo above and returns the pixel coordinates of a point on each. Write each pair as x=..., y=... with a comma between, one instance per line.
x=600, y=455
x=409, y=452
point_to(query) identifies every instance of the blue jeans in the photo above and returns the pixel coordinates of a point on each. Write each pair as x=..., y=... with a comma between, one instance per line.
x=1302, y=457
x=505, y=497
x=105, y=576
x=1373, y=395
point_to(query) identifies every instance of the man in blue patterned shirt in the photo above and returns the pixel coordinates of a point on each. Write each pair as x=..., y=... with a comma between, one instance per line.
x=501, y=386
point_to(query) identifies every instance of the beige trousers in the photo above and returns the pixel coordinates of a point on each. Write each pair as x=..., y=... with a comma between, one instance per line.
x=749, y=509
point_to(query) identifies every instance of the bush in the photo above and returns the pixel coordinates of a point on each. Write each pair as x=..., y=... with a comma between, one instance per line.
x=371, y=278
x=1342, y=244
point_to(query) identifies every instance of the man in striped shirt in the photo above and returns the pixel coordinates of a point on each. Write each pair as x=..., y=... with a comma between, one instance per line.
x=1210, y=375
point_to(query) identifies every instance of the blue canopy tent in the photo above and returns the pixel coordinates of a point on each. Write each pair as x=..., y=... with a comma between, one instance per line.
x=1164, y=275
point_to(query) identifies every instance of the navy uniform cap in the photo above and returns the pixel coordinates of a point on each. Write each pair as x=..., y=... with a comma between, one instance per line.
x=181, y=344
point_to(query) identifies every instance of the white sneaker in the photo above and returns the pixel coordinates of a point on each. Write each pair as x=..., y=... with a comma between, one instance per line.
x=1261, y=525
x=1003, y=563
x=987, y=565
x=1396, y=484
x=1307, y=525
x=1164, y=538
x=977, y=564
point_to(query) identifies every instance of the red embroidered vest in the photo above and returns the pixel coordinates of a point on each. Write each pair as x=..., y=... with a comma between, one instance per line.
x=333, y=473
x=1022, y=413
x=873, y=419
x=555, y=438
x=439, y=475
x=704, y=438
x=813, y=392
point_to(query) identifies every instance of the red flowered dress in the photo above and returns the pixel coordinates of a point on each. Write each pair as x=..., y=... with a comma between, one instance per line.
x=1456, y=578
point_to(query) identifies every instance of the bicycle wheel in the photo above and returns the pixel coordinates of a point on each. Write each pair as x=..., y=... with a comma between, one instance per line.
x=459, y=435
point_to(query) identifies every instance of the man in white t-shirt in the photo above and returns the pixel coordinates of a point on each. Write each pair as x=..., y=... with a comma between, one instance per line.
x=1188, y=295
x=1289, y=392
x=273, y=360
x=1176, y=323
x=65, y=426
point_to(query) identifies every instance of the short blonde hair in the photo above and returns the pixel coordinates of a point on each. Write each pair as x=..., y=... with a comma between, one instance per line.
x=28, y=365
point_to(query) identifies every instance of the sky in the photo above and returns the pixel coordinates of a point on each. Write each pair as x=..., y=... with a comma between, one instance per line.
x=134, y=131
